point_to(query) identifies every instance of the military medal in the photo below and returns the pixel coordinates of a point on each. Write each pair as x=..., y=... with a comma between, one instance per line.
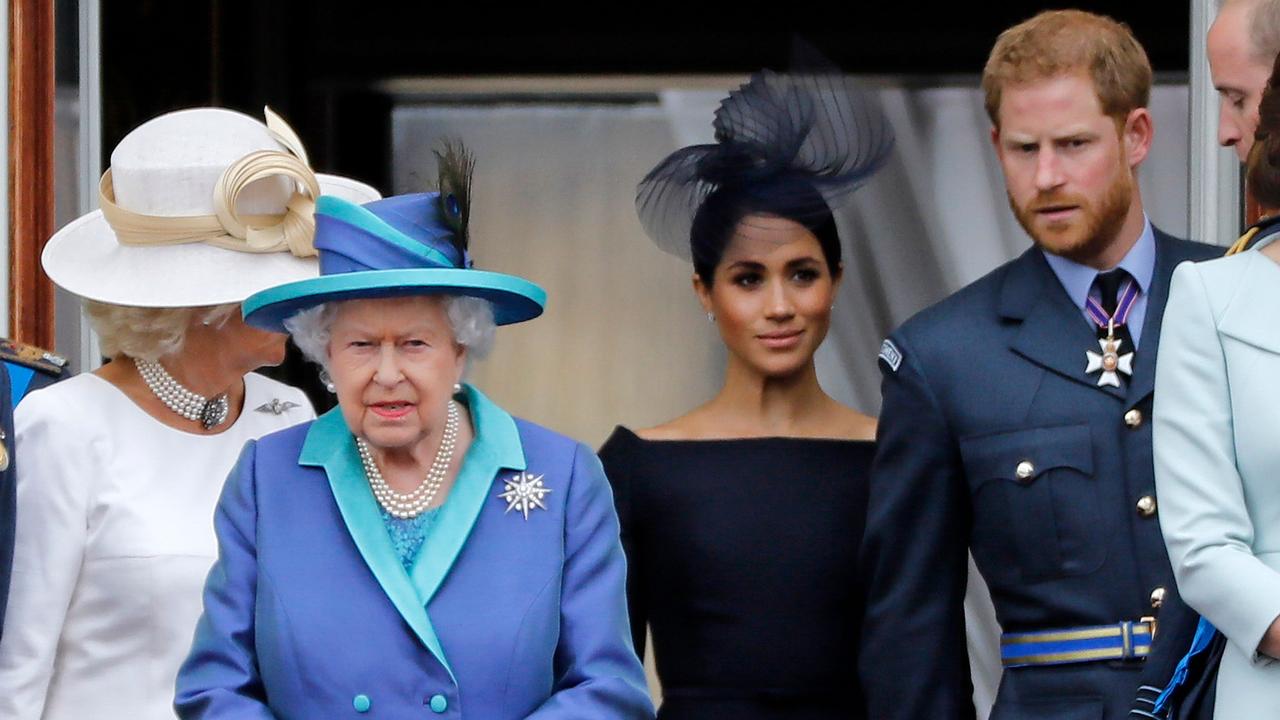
x=524, y=492
x=1112, y=361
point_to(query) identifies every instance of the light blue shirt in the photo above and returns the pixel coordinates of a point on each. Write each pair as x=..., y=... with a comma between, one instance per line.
x=1140, y=262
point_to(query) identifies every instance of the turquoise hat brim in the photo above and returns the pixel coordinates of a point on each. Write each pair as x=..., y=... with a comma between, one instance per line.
x=514, y=299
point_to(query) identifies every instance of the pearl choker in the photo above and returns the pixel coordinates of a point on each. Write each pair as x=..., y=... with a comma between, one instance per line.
x=417, y=501
x=211, y=412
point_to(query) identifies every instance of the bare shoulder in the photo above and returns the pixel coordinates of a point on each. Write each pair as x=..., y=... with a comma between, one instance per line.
x=690, y=426
x=849, y=424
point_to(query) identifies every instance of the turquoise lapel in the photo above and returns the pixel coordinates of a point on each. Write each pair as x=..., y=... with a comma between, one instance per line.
x=329, y=444
x=496, y=446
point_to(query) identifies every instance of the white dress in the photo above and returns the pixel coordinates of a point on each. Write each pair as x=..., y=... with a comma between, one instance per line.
x=114, y=540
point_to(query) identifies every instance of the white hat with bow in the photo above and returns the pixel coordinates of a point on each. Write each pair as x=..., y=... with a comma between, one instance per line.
x=199, y=207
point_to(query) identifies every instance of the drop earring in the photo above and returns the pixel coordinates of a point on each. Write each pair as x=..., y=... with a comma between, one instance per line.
x=711, y=317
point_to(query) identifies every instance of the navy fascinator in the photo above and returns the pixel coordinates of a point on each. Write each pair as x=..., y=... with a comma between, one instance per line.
x=792, y=144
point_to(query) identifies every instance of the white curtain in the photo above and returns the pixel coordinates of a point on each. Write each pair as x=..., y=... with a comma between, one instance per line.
x=624, y=340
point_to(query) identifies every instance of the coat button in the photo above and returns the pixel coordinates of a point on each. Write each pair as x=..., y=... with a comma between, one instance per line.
x=1157, y=597
x=1133, y=418
x=1146, y=506
x=1025, y=470
x=439, y=704
x=361, y=703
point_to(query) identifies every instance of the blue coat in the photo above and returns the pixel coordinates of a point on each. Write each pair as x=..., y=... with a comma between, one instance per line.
x=987, y=381
x=1217, y=463
x=309, y=613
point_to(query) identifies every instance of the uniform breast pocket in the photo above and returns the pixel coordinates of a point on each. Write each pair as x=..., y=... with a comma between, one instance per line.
x=1035, y=503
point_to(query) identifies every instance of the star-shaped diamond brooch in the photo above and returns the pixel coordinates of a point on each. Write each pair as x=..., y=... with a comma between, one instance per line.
x=1110, y=361
x=524, y=492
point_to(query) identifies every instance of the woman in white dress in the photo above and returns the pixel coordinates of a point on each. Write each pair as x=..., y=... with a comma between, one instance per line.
x=123, y=466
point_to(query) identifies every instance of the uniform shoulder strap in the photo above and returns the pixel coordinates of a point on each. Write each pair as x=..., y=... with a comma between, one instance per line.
x=36, y=358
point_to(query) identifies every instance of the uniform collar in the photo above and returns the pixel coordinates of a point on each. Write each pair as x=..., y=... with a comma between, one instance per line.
x=1139, y=262
x=1268, y=230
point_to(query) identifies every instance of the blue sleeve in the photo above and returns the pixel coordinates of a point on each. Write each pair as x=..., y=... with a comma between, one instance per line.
x=913, y=661
x=597, y=673
x=8, y=494
x=220, y=677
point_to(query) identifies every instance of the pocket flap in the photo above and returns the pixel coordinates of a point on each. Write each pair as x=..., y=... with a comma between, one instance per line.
x=1024, y=455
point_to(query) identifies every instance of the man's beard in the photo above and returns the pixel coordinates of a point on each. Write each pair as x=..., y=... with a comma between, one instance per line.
x=1084, y=238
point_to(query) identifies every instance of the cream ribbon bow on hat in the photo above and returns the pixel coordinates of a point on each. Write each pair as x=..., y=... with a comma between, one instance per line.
x=294, y=230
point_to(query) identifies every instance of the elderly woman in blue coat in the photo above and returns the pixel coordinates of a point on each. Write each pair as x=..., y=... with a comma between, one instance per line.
x=416, y=549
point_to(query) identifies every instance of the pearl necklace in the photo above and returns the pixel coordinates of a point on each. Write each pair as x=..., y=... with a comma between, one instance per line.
x=211, y=412
x=417, y=501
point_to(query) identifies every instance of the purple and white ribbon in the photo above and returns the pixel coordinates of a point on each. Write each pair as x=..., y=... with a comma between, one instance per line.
x=1124, y=305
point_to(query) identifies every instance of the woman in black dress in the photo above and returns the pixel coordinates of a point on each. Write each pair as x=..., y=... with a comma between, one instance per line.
x=742, y=519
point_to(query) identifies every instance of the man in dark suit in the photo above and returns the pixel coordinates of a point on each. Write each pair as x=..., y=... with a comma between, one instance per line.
x=1015, y=417
x=1242, y=47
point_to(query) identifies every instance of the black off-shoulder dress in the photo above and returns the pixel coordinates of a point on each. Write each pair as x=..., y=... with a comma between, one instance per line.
x=742, y=560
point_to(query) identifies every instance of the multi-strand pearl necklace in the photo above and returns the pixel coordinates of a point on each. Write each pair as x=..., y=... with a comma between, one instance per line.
x=417, y=501
x=211, y=412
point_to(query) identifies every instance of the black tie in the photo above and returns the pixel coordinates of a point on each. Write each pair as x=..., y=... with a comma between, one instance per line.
x=1108, y=285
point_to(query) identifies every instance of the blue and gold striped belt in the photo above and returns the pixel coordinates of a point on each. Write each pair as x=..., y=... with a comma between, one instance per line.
x=1121, y=641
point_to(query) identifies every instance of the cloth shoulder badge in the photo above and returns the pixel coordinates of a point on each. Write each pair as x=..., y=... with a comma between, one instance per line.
x=890, y=354
x=524, y=492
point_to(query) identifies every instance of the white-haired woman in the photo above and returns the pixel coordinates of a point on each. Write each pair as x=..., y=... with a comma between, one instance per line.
x=123, y=465
x=417, y=549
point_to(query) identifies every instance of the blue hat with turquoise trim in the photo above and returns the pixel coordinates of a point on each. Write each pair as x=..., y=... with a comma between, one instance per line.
x=398, y=246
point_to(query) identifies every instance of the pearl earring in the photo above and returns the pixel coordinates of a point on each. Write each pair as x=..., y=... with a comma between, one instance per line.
x=457, y=388
x=327, y=381
x=711, y=317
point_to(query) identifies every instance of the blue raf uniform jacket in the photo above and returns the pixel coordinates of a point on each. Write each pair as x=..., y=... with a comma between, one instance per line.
x=8, y=493
x=993, y=439
x=26, y=368
x=309, y=613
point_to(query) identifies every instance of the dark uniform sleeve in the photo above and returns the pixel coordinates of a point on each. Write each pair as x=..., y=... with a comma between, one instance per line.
x=8, y=493
x=1175, y=630
x=913, y=660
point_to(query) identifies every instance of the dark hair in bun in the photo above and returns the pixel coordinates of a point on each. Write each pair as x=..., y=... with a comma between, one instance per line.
x=788, y=145
x=723, y=210
x=1264, y=159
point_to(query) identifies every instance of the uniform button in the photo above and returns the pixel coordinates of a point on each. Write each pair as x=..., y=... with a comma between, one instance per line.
x=361, y=703
x=1157, y=597
x=1025, y=470
x=1133, y=418
x=1146, y=506
x=439, y=704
